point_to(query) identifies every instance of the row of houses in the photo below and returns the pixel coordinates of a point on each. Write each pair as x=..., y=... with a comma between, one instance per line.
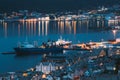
x=103, y=61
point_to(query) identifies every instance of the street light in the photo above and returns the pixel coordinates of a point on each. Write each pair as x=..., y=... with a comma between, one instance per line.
x=114, y=33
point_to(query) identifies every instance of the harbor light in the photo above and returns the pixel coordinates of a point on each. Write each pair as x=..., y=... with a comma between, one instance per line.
x=25, y=74
x=32, y=69
x=56, y=67
x=44, y=76
x=61, y=67
x=36, y=74
x=69, y=65
x=114, y=33
x=114, y=68
x=44, y=55
x=101, y=64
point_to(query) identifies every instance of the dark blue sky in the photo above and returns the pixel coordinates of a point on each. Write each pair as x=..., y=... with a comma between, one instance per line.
x=51, y=5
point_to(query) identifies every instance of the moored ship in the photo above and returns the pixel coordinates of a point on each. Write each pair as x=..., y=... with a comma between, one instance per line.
x=27, y=48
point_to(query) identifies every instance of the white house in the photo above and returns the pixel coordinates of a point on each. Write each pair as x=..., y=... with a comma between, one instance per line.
x=47, y=67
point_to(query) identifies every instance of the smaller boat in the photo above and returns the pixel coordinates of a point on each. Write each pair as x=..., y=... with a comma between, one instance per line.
x=27, y=48
x=62, y=42
x=115, y=27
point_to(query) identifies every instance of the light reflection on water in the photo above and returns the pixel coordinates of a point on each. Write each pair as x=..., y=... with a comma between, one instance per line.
x=42, y=28
x=13, y=32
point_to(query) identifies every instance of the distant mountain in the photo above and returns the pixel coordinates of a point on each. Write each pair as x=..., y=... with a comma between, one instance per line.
x=53, y=5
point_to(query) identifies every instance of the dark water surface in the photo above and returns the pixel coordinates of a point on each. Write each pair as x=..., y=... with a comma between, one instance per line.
x=13, y=32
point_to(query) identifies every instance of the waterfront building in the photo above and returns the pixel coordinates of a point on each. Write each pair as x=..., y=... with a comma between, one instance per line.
x=47, y=67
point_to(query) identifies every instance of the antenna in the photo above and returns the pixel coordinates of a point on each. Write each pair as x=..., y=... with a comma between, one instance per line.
x=61, y=37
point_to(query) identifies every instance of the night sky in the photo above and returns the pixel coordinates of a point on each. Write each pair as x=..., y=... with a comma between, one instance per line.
x=53, y=5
